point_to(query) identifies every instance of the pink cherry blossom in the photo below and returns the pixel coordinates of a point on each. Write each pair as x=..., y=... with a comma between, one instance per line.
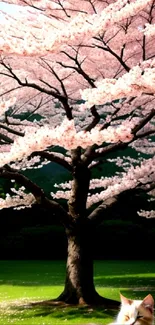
x=88, y=69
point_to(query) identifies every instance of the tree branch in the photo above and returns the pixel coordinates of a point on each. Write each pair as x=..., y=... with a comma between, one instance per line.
x=146, y=133
x=107, y=48
x=98, y=215
x=5, y=138
x=78, y=68
x=10, y=173
x=11, y=130
x=95, y=120
x=143, y=121
x=63, y=99
x=102, y=152
x=104, y=209
x=54, y=157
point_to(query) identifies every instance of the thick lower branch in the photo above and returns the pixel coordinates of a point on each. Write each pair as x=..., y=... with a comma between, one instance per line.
x=54, y=157
x=105, y=208
x=143, y=122
x=9, y=173
x=98, y=215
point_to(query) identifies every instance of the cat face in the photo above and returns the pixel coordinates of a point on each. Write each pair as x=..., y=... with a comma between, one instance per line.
x=136, y=312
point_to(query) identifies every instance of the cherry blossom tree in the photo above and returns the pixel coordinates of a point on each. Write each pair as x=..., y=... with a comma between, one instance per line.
x=87, y=68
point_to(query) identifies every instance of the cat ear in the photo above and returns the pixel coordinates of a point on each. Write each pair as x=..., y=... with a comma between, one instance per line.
x=148, y=303
x=124, y=300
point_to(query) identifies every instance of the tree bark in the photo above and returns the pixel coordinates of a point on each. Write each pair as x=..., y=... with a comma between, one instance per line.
x=79, y=285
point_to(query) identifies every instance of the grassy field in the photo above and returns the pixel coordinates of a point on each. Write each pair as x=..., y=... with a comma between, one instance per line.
x=27, y=281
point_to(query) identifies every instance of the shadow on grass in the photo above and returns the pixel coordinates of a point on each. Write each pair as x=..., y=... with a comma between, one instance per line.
x=42, y=313
x=62, y=313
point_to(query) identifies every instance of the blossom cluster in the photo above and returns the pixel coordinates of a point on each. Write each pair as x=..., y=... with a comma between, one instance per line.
x=63, y=35
x=144, y=146
x=19, y=200
x=64, y=135
x=149, y=30
x=146, y=214
x=135, y=175
x=40, y=37
x=113, y=186
x=133, y=83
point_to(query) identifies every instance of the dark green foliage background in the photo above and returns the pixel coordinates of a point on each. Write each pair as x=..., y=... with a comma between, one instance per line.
x=35, y=234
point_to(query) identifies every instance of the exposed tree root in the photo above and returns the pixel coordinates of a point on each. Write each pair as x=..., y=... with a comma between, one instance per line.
x=98, y=301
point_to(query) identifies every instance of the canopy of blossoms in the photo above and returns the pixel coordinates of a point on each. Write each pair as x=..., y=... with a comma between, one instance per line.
x=88, y=69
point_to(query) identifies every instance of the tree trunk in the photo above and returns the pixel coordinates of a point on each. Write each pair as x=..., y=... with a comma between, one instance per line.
x=79, y=284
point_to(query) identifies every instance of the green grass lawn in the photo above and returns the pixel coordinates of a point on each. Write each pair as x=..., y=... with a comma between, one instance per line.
x=22, y=282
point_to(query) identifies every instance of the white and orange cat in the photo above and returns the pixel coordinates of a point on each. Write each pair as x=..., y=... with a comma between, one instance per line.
x=136, y=312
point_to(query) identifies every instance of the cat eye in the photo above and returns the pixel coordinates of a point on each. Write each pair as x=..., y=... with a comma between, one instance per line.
x=139, y=316
x=127, y=317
